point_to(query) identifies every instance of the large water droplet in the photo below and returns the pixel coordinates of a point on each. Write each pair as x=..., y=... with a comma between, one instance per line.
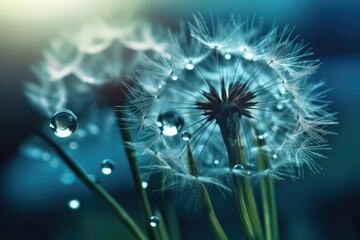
x=74, y=204
x=144, y=184
x=154, y=221
x=239, y=167
x=186, y=135
x=63, y=123
x=107, y=166
x=170, y=123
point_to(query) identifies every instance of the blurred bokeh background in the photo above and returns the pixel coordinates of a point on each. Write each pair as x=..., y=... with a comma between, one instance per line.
x=34, y=203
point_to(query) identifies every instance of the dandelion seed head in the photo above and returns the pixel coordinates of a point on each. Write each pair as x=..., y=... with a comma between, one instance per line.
x=230, y=76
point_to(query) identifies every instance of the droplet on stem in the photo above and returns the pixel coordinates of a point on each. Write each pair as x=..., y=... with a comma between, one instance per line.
x=154, y=221
x=63, y=123
x=186, y=135
x=107, y=166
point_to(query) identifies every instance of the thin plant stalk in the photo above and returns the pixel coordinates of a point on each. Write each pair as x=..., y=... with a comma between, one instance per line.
x=96, y=188
x=204, y=200
x=171, y=215
x=267, y=194
x=162, y=226
x=244, y=196
x=143, y=199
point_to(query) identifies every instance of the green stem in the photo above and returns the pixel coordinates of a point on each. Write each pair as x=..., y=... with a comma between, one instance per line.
x=204, y=200
x=269, y=205
x=245, y=201
x=162, y=226
x=130, y=152
x=268, y=194
x=99, y=191
x=171, y=216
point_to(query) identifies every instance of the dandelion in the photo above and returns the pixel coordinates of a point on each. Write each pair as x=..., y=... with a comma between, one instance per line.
x=246, y=109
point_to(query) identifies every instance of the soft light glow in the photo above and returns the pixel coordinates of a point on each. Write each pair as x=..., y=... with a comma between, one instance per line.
x=106, y=171
x=144, y=184
x=189, y=66
x=170, y=131
x=63, y=133
x=74, y=204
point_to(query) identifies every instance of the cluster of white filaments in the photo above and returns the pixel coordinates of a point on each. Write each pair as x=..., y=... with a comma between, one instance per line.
x=100, y=53
x=228, y=76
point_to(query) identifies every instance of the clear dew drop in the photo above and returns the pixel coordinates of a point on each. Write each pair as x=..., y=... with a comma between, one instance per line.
x=154, y=221
x=189, y=66
x=107, y=166
x=74, y=204
x=73, y=145
x=63, y=123
x=174, y=77
x=216, y=162
x=170, y=123
x=274, y=156
x=261, y=137
x=144, y=184
x=227, y=56
x=186, y=135
x=239, y=167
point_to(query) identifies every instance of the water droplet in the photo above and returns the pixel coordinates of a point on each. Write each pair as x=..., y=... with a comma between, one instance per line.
x=228, y=56
x=186, y=135
x=93, y=129
x=170, y=123
x=107, y=166
x=67, y=178
x=74, y=204
x=174, y=76
x=216, y=162
x=63, y=123
x=274, y=156
x=154, y=221
x=261, y=137
x=73, y=145
x=239, y=167
x=190, y=66
x=144, y=184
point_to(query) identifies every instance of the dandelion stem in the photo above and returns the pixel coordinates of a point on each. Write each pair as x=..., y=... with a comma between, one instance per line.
x=96, y=188
x=162, y=227
x=171, y=214
x=268, y=194
x=130, y=152
x=244, y=196
x=204, y=200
